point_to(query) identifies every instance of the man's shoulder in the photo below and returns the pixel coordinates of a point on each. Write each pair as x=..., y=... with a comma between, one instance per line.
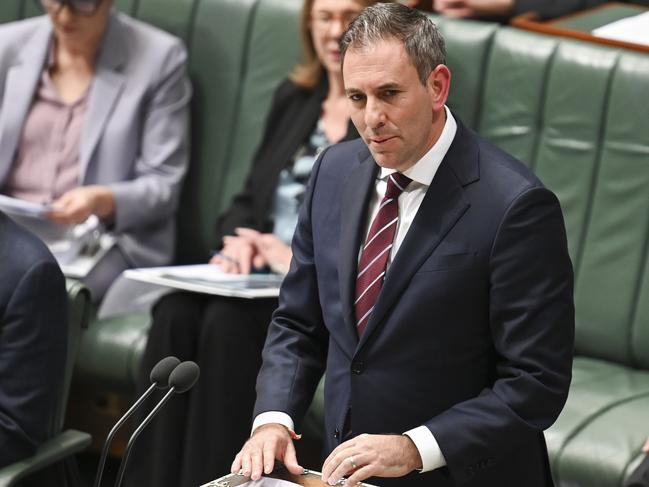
x=501, y=172
x=20, y=251
x=344, y=152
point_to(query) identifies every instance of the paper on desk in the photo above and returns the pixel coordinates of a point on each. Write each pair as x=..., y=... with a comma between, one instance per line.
x=633, y=29
x=15, y=206
x=269, y=482
x=209, y=279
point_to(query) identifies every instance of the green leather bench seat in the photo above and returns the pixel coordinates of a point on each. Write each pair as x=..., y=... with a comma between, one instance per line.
x=597, y=437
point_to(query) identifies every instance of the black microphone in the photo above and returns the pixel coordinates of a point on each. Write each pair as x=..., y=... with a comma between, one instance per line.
x=160, y=375
x=183, y=378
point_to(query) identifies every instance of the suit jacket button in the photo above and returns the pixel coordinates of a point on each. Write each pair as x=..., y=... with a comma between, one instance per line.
x=336, y=434
x=357, y=367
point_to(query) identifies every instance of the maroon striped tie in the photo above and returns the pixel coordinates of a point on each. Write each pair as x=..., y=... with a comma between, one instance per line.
x=375, y=254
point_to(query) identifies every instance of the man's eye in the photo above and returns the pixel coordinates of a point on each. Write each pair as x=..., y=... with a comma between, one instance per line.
x=390, y=93
x=356, y=97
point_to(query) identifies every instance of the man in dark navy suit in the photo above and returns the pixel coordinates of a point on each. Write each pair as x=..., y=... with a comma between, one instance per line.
x=33, y=337
x=430, y=278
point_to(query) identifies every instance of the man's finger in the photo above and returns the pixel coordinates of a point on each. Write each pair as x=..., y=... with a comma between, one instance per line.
x=236, y=464
x=246, y=463
x=334, y=459
x=257, y=465
x=290, y=460
x=361, y=474
x=269, y=455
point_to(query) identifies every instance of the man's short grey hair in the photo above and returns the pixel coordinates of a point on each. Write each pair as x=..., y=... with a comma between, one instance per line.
x=420, y=37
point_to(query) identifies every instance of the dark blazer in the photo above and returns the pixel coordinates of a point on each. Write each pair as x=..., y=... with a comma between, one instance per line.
x=472, y=334
x=292, y=118
x=640, y=476
x=33, y=331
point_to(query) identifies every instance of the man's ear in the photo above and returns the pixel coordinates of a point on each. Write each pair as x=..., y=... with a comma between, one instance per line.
x=439, y=84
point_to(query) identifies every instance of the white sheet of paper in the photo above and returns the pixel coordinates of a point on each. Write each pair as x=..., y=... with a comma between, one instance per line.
x=631, y=29
x=15, y=206
x=269, y=482
x=209, y=279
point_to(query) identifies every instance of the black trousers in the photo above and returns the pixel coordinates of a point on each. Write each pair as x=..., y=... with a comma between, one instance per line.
x=195, y=437
x=640, y=477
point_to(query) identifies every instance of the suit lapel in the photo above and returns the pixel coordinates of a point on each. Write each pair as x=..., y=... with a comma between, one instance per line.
x=442, y=206
x=20, y=86
x=355, y=199
x=105, y=91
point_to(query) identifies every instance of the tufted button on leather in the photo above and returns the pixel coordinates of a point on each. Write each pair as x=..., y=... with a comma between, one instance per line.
x=358, y=367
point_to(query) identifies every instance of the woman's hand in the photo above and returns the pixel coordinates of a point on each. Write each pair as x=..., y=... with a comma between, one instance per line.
x=78, y=204
x=250, y=249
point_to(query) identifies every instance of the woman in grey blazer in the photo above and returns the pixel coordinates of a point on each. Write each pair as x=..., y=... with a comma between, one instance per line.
x=94, y=120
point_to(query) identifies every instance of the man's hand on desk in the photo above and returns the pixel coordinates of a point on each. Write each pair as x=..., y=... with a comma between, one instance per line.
x=474, y=8
x=371, y=456
x=268, y=443
x=78, y=204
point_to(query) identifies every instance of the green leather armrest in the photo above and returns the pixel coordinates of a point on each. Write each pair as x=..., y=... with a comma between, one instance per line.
x=54, y=450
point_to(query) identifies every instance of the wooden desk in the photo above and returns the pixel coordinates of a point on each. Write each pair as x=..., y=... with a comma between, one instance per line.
x=580, y=25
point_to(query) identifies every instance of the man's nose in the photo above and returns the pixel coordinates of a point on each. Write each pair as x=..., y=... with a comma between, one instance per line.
x=374, y=114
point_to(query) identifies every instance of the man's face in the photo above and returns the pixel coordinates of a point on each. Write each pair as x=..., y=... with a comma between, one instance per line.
x=397, y=116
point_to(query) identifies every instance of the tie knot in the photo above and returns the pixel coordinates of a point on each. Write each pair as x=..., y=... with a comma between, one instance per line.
x=397, y=183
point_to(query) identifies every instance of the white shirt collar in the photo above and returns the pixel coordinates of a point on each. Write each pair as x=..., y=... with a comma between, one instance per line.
x=424, y=170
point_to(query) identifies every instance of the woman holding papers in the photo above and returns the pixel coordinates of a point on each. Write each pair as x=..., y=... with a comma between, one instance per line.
x=93, y=121
x=194, y=440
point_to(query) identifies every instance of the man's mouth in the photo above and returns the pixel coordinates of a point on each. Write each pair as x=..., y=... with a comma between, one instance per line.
x=381, y=140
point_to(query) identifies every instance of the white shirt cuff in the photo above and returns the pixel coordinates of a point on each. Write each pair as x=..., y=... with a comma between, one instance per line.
x=272, y=417
x=431, y=454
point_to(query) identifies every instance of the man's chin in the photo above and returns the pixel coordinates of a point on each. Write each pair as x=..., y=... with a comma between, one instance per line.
x=386, y=160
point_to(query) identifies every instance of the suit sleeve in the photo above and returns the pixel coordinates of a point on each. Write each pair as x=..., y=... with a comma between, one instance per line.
x=531, y=318
x=33, y=338
x=154, y=191
x=295, y=352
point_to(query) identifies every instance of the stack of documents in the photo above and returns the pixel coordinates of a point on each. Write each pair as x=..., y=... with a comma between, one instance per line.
x=209, y=279
x=633, y=29
x=77, y=248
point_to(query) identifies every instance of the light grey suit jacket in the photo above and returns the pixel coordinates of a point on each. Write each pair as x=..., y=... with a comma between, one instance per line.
x=135, y=133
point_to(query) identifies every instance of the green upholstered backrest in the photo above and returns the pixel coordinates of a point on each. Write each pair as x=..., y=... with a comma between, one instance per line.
x=572, y=111
x=468, y=44
x=10, y=11
x=218, y=46
x=269, y=58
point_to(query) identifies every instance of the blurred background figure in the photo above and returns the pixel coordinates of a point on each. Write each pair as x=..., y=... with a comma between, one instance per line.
x=94, y=122
x=33, y=338
x=503, y=10
x=195, y=438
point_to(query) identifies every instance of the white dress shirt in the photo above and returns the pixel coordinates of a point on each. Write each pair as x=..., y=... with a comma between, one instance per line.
x=421, y=174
